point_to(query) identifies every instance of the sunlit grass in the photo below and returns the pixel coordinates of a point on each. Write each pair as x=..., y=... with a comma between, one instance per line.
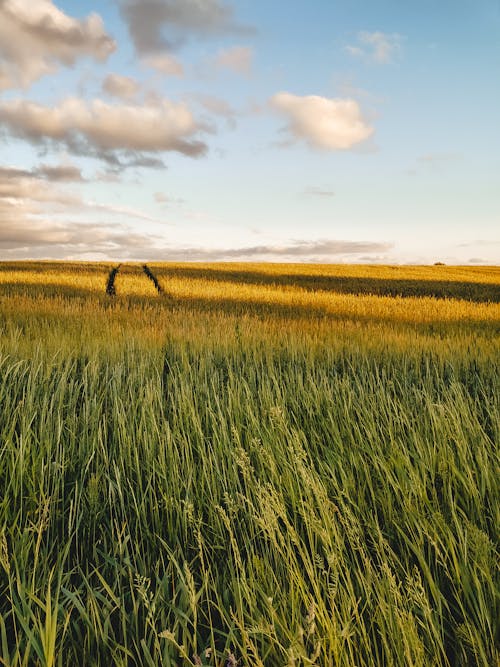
x=132, y=281
x=283, y=473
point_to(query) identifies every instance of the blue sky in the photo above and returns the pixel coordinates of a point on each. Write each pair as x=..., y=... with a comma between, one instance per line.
x=338, y=131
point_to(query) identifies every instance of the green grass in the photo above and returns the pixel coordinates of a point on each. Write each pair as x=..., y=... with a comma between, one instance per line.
x=245, y=487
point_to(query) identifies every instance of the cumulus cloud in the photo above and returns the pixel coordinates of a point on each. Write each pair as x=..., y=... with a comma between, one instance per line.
x=164, y=63
x=107, y=130
x=159, y=25
x=328, y=124
x=36, y=37
x=237, y=59
x=377, y=47
x=124, y=87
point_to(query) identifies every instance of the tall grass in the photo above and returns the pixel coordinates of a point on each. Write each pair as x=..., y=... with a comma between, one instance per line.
x=186, y=486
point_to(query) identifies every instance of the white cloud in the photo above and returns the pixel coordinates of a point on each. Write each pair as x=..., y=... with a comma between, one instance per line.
x=124, y=87
x=328, y=124
x=378, y=47
x=238, y=59
x=36, y=37
x=165, y=64
x=101, y=129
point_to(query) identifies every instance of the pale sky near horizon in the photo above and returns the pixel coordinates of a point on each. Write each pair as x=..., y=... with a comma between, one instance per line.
x=262, y=130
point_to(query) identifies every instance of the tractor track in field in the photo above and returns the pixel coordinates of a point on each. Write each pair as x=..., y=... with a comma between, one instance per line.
x=110, y=285
x=152, y=277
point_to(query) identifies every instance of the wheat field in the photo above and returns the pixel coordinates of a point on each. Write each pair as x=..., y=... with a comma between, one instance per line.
x=249, y=464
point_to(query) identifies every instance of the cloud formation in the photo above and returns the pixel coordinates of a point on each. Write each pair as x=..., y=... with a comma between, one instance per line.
x=324, y=123
x=59, y=173
x=218, y=107
x=163, y=25
x=377, y=47
x=105, y=130
x=36, y=37
x=26, y=231
x=27, y=200
x=124, y=87
x=313, y=251
x=324, y=247
x=24, y=192
x=62, y=240
x=28, y=197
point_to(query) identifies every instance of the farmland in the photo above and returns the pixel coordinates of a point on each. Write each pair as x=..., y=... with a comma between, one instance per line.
x=264, y=465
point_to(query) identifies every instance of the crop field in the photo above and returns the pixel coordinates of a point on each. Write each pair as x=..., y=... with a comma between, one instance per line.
x=261, y=465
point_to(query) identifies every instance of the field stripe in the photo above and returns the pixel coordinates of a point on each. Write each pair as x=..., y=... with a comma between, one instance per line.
x=152, y=277
x=110, y=285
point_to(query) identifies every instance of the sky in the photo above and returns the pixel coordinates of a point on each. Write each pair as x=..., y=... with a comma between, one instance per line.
x=356, y=131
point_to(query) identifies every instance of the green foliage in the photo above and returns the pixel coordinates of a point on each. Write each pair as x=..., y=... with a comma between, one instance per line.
x=236, y=490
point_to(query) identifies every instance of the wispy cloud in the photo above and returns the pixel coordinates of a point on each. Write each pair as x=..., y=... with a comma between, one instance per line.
x=164, y=63
x=124, y=87
x=162, y=198
x=46, y=239
x=324, y=123
x=36, y=37
x=377, y=47
x=122, y=211
x=163, y=25
x=479, y=242
x=31, y=201
x=436, y=160
x=59, y=173
x=39, y=218
x=218, y=107
x=315, y=191
x=238, y=59
x=321, y=250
